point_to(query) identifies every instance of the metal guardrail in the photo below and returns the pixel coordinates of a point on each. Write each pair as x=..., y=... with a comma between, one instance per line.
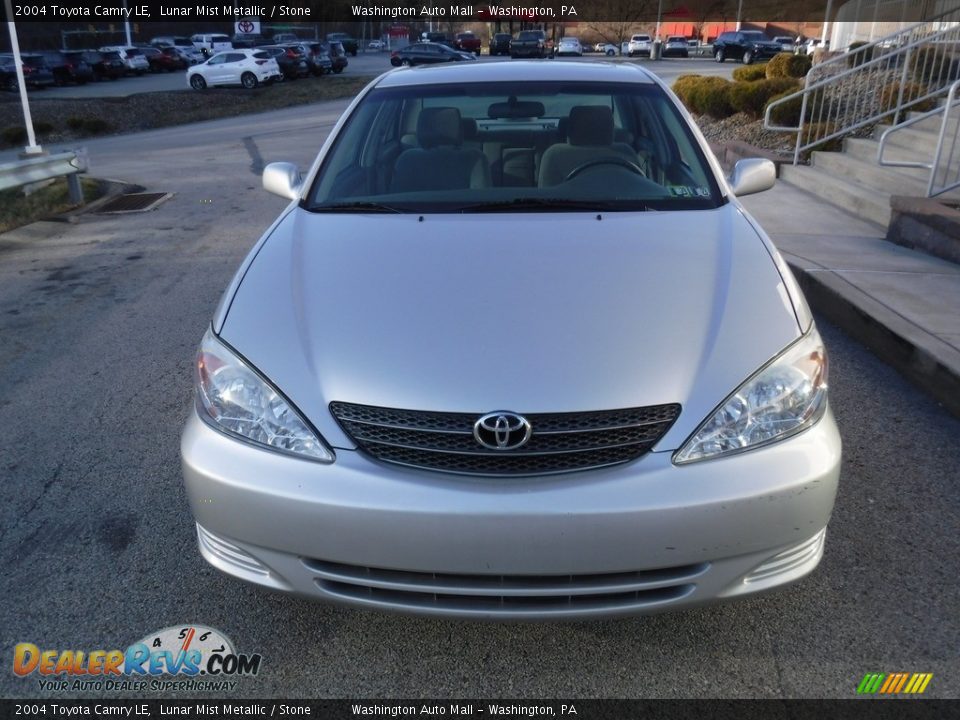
x=47, y=167
x=879, y=80
x=950, y=176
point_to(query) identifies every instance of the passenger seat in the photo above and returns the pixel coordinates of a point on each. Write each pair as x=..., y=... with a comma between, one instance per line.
x=441, y=162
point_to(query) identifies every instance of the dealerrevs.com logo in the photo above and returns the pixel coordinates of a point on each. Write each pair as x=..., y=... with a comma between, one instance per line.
x=190, y=658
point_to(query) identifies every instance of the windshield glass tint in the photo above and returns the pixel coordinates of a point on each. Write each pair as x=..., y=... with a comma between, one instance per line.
x=478, y=146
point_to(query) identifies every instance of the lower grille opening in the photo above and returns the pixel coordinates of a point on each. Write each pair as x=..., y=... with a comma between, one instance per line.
x=506, y=603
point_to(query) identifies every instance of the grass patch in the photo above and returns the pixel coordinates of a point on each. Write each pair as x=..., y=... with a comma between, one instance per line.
x=17, y=209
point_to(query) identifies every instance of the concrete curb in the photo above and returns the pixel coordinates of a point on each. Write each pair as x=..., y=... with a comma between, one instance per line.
x=928, y=362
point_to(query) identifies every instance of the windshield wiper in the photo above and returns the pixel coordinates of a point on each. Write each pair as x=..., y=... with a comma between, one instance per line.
x=361, y=207
x=530, y=203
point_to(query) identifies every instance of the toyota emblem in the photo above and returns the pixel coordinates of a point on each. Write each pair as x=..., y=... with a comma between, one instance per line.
x=502, y=431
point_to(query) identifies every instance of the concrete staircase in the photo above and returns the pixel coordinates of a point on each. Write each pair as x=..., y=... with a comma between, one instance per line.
x=855, y=182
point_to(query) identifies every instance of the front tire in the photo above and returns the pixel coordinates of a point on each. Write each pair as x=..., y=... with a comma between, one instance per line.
x=747, y=57
x=249, y=81
x=719, y=56
x=610, y=53
x=197, y=82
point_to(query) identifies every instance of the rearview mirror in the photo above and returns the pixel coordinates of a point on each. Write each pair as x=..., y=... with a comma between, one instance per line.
x=283, y=179
x=752, y=176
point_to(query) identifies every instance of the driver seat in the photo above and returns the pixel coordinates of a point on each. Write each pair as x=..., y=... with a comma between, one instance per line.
x=589, y=138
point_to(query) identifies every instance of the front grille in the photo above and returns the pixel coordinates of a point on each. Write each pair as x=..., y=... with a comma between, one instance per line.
x=560, y=442
x=513, y=594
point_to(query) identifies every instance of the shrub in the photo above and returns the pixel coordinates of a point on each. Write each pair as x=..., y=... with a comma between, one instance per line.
x=42, y=128
x=95, y=126
x=817, y=130
x=788, y=65
x=75, y=123
x=752, y=97
x=14, y=135
x=911, y=90
x=711, y=96
x=859, y=58
x=750, y=73
x=788, y=114
x=682, y=86
x=933, y=65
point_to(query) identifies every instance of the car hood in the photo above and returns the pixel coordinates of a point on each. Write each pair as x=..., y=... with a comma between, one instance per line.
x=532, y=312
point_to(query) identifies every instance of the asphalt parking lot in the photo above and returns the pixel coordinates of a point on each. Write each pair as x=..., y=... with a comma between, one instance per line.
x=100, y=320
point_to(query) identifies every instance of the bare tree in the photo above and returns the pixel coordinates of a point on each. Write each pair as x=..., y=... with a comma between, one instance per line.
x=617, y=19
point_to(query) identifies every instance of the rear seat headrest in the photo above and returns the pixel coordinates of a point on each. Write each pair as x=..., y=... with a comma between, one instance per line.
x=439, y=126
x=469, y=128
x=590, y=125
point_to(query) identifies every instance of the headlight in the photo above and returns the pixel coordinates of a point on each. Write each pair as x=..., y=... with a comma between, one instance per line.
x=785, y=396
x=240, y=402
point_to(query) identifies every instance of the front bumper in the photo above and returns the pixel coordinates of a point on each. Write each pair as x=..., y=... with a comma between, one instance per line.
x=643, y=537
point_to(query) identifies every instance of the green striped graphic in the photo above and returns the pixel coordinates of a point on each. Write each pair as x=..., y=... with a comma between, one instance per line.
x=870, y=684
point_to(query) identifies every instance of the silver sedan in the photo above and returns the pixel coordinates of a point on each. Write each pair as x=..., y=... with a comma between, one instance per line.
x=514, y=350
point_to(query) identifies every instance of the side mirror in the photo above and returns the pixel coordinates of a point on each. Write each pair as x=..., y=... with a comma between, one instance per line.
x=752, y=176
x=283, y=179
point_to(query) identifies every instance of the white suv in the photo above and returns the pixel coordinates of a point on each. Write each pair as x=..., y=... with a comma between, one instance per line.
x=243, y=67
x=639, y=45
x=133, y=58
x=211, y=44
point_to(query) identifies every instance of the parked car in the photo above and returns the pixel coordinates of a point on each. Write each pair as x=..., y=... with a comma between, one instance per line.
x=376, y=45
x=428, y=53
x=245, y=67
x=745, y=46
x=608, y=49
x=318, y=58
x=249, y=40
x=500, y=44
x=211, y=43
x=437, y=37
x=165, y=59
x=8, y=74
x=786, y=43
x=359, y=448
x=639, y=45
x=338, y=55
x=349, y=44
x=569, y=46
x=467, y=42
x=290, y=59
x=107, y=65
x=36, y=73
x=529, y=43
x=182, y=45
x=68, y=67
x=676, y=46
x=133, y=59
x=284, y=38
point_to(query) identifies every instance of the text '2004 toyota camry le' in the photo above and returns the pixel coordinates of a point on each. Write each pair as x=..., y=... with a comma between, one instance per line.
x=514, y=350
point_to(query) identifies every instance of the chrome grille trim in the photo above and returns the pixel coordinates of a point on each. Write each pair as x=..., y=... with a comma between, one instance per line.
x=561, y=442
x=505, y=594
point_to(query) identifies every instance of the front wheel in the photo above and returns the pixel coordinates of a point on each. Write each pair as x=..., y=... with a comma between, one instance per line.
x=747, y=57
x=338, y=70
x=248, y=80
x=719, y=56
x=610, y=53
x=197, y=82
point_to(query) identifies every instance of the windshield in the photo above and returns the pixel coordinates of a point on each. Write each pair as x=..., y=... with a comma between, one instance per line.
x=754, y=35
x=524, y=146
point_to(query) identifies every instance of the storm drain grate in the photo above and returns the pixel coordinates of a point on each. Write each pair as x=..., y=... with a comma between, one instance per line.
x=134, y=202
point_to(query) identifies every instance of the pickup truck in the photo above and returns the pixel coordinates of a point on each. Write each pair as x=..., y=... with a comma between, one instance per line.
x=467, y=42
x=529, y=43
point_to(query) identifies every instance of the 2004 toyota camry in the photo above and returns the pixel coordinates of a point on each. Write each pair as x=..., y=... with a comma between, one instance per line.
x=514, y=350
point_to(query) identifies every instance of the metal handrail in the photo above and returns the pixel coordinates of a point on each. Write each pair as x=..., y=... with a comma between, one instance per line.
x=835, y=104
x=932, y=189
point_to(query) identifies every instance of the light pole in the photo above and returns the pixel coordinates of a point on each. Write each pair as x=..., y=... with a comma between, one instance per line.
x=656, y=35
x=32, y=148
x=739, y=14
